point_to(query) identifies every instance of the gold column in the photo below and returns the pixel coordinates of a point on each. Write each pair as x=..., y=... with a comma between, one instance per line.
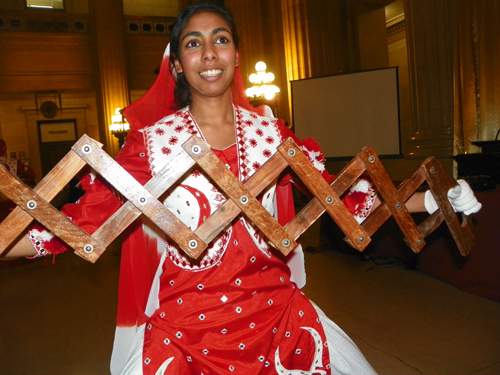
x=477, y=82
x=296, y=41
x=430, y=36
x=109, y=31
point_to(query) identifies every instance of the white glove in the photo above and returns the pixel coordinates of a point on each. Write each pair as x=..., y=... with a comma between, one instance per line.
x=461, y=198
x=429, y=202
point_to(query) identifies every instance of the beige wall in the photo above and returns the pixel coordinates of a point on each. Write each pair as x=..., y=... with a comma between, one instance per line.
x=67, y=62
x=39, y=62
x=19, y=127
x=337, y=39
x=51, y=60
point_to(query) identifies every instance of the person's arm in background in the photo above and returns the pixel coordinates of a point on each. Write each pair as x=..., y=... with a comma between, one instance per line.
x=22, y=248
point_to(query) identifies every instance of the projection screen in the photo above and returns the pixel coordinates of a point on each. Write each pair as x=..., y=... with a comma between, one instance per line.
x=347, y=112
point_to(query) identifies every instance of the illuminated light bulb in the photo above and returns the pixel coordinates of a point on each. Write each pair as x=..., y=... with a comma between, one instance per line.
x=269, y=77
x=261, y=66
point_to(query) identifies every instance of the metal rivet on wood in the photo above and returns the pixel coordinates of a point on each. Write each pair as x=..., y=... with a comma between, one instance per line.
x=31, y=205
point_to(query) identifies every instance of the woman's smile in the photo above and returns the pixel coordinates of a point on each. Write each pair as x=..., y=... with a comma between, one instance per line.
x=211, y=73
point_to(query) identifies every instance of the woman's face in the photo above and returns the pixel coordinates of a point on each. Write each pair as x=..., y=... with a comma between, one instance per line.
x=207, y=56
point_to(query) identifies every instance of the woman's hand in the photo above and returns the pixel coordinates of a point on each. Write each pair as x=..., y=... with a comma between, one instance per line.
x=461, y=198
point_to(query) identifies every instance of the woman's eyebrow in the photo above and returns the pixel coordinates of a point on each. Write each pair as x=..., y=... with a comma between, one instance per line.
x=214, y=32
x=219, y=30
x=191, y=33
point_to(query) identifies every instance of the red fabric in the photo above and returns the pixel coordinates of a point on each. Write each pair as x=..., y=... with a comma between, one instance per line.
x=353, y=200
x=90, y=213
x=94, y=207
x=137, y=268
x=42, y=247
x=226, y=319
x=210, y=336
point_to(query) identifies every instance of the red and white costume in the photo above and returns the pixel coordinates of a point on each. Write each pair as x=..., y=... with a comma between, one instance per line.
x=240, y=309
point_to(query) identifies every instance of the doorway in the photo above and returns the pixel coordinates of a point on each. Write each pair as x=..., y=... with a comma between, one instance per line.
x=56, y=139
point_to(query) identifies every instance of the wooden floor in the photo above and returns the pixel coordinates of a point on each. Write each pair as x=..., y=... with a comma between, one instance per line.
x=59, y=318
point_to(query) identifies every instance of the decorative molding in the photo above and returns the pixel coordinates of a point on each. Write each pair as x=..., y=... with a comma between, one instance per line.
x=396, y=32
x=61, y=23
x=149, y=25
x=72, y=107
x=46, y=22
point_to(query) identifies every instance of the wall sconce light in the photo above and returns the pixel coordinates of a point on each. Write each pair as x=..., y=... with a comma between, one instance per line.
x=119, y=126
x=262, y=80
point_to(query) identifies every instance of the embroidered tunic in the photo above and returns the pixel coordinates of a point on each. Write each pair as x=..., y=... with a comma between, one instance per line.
x=237, y=311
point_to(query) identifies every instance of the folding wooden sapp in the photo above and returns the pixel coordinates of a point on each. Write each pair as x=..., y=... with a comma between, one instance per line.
x=241, y=199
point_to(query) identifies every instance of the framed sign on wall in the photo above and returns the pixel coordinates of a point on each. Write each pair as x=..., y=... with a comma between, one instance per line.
x=57, y=131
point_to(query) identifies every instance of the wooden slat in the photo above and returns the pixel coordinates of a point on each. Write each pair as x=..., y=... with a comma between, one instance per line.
x=50, y=217
x=440, y=182
x=144, y=200
x=431, y=223
x=18, y=220
x=214, y=224
x=325, y=195
x=240, y=195
x=141, y=198
x=395, y=203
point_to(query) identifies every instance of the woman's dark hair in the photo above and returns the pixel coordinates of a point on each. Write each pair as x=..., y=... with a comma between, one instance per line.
x=182, y=92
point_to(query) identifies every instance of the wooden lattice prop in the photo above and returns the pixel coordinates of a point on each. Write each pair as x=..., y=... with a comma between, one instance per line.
x=241, y=199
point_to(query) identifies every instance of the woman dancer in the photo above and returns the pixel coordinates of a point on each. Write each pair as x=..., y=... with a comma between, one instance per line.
x=240, y=308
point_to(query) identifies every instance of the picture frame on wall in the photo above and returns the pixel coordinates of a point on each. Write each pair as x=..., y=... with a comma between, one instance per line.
x=57, y=131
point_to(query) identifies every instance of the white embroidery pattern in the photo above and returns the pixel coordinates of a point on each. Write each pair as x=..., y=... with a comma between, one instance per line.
x=39, y=240
x=317, y=360
x=163, y=368
x=257, y=138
